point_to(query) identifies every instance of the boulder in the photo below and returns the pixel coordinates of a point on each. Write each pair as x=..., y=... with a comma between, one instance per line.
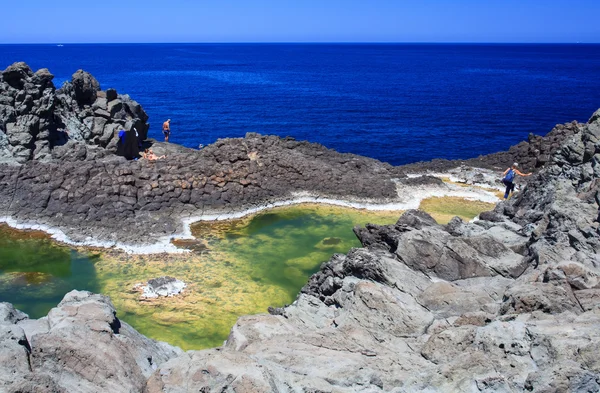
x=36, y=112
x=81, y=347
x=114, y=107
x=16, y=74
x=85, y=87
x=9, y=315
x=111, y=94
x=44, y=78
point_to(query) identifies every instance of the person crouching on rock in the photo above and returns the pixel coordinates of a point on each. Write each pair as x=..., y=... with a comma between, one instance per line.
x=509, y=177
x=167, y=129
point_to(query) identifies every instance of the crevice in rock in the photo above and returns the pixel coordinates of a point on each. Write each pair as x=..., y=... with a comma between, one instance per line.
x=115, y=325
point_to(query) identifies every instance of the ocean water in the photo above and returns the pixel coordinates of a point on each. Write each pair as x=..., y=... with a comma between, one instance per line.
x=399, y=103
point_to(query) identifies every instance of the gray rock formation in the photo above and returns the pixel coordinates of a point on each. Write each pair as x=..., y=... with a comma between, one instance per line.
x=69, y=179
x=501, y=305
x=507, y=303
x=109, y=199
x=79, y=347
x=138, y=202
x=510, y=302
x=39, y=122
x=161, y=286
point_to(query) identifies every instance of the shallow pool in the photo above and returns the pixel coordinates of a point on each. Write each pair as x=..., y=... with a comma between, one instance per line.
x=235, y=268
x=238, y=267
x=35, y=272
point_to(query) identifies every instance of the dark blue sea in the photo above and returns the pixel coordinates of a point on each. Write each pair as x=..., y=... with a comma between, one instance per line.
x=399, y=103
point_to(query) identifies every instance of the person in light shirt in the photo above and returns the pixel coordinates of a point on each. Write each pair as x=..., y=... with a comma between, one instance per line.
x=509, y=177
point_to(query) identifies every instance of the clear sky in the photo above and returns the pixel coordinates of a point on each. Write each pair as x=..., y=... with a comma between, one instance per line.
x=77, y=21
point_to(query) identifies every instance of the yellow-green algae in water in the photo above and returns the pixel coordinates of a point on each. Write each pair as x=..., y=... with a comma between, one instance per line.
x=247, y=266
x=243, y=266
x=443, y=209
x=36, y=272
x=239, y=267
x=493, y=190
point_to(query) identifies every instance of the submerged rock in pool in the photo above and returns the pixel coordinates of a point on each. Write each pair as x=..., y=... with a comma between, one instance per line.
x=161, y=286
x=330, y=241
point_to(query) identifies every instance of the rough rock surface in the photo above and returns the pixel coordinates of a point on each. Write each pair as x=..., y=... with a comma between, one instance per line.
x=39, y=122
x=111, y=199
x=508, y=303
x=81, y=346
x=500, y=305
x=161, y=286
x=70, y=179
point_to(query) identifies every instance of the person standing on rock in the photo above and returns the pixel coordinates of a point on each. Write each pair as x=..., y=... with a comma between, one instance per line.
x=167, y=129
x=509, y=177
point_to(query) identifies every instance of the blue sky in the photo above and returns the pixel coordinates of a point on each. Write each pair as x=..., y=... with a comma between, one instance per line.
x=36, y=21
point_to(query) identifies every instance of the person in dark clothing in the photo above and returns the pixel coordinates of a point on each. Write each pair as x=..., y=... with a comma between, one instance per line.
x=509, y=177
x=131, y=148
x=121, y=143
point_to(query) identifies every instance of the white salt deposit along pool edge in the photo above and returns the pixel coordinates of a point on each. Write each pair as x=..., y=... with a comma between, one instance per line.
x=408, y=198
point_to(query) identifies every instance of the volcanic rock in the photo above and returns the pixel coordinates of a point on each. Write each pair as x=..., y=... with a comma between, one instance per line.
x=79, y=347
x=162, y=286
x=70, y=135
x=509, y=302
x=426, y=307
x=505, y=304
x=36, y=119
x=85, y=86
x=93, y=193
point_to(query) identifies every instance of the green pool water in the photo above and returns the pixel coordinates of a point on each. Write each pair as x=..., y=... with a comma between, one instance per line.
x=35, y=272
x=238, y=267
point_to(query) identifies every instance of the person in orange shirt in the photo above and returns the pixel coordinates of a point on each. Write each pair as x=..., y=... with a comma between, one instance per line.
x=167, y=129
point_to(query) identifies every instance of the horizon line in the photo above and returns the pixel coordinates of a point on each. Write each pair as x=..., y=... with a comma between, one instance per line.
x=305, y=43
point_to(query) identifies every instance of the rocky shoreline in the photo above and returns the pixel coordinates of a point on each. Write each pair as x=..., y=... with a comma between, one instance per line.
x=60, y=173
x=510, y=302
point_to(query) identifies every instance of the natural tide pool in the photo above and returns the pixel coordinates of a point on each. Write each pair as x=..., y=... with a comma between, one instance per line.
x=236, y=268
x=36, y=272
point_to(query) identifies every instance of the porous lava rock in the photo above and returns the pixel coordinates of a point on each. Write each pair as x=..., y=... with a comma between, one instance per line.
x=70, y=179
x=509, y=302
x=39, y=122
x=138, y=202
x=81, y=346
